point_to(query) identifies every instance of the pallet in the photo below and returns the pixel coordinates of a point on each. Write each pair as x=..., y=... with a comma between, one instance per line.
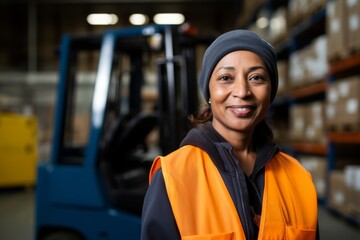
x=338, y=56
x=344, y=127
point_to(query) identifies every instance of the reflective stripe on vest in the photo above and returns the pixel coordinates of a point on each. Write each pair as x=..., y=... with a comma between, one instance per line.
x=203, y=208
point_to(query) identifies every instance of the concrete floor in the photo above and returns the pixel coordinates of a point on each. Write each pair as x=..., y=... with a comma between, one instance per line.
x=17, y=218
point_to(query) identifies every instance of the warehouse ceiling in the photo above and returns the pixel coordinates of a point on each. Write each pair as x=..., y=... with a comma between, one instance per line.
x=40, y=24
x=221, y=10
x=218, y=12
x=132, y=1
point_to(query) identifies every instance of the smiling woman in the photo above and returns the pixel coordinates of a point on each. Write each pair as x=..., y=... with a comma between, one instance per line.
x=228, y=179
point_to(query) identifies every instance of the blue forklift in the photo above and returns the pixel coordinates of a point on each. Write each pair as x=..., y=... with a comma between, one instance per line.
x=108, y=127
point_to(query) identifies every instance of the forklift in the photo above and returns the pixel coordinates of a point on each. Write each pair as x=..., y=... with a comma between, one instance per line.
x=108, y=128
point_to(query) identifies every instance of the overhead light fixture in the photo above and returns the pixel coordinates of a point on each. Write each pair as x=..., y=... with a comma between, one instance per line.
x=138, y=19
x=262, y=22
x=169, y=18
x=102, y=19
x=278, y=23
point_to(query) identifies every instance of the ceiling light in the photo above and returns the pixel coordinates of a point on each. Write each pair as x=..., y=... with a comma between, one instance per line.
x=102, y=19
x=262, y=22
x=169, y=18
x=138, y=19
x=278, y=23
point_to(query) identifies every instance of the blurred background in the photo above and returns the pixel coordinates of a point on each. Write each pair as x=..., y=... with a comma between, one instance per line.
x=315, y=116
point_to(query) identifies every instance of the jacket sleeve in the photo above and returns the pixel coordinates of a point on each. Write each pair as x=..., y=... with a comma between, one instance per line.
x=158, y=221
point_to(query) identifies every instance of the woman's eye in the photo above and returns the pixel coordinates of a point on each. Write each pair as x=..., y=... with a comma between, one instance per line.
x=225, y=78
x=257, y=78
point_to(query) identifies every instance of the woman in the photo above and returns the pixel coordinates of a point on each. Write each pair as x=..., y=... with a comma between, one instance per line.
x=228, y=180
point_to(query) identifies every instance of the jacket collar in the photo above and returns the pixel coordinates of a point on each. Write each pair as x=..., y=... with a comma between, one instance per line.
x=209, y=140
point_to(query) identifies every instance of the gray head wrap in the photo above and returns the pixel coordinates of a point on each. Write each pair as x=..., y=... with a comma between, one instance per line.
x=233, y=41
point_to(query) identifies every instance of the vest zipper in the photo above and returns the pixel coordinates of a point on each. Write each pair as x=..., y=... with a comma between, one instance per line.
x=256, y=171
x=236, y=167
x=238, y=185
x=256, y=190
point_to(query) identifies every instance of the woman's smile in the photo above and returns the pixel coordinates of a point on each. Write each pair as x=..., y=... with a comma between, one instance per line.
x=242, y=111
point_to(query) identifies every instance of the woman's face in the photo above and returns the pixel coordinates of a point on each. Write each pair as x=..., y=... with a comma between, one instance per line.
x=239, y=92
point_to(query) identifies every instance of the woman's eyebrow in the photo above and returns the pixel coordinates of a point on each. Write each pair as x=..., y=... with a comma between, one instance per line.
x=231, y=68
x=254, y=68
x=226, y=68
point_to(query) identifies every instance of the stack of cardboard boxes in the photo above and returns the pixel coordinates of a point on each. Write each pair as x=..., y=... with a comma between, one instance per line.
x=352, y=188
x=307, y=122
x=343, y=28
x=343, y=100
x=343, y=105
x=309, y=64
x=302, y=9
x=317, y=167
x=344, y=191
x=337, y=193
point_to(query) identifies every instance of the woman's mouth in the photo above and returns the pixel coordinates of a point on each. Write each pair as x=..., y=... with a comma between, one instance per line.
x=242, y=111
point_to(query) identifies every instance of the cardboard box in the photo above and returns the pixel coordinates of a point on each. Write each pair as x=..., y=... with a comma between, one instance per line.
x=298, y=115
x=317, y=167
x=349, y=87
x=353, y=21
x=352, y=183
x=297, y=72
x=316, y=62
x=343, y=100
x=332, y=112
x=349, y=100
x=278, y=25
x=315, y=122
x=350, y=119
x=337, y=191
x=336, y=29
x=294, y=15
x=298, y=11
x=309, y=64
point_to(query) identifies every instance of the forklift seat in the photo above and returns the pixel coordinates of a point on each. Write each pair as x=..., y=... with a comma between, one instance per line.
x=127, y=134
x=136, y=130
x=125, y=173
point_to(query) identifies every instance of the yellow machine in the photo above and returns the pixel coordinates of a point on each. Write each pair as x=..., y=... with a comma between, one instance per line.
x=18, y=150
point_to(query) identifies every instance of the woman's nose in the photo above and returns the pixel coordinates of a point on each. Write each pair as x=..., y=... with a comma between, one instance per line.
x=241, y=88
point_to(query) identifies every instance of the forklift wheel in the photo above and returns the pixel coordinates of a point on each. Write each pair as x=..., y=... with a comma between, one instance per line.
x=63, y=235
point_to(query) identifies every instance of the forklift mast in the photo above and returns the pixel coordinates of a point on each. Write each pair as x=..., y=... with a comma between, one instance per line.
x=124, y=97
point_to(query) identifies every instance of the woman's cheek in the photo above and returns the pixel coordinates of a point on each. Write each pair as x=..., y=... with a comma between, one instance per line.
x=218, y=93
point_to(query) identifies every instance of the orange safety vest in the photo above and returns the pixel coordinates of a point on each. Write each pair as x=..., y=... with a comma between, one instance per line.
x=203, y=208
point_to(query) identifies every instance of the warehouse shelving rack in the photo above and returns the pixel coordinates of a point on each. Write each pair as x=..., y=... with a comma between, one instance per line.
x=347, y=66
x=299, y=36
x=342, y=67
